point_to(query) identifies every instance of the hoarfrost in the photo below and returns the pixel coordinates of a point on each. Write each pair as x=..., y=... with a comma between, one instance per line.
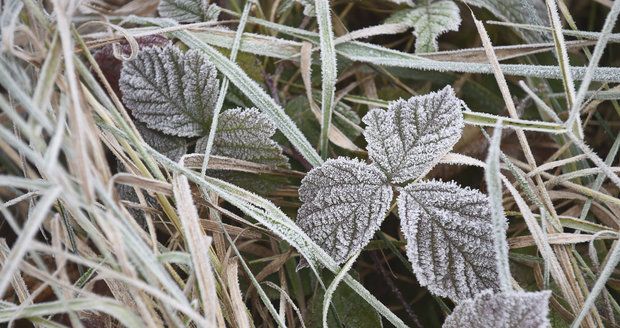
x=429, y=21
x=345, y=202
x=449, y=233
x=502, y=310
x=171, y=91
x=245, y=134
x=189, y=11
x=409, y=138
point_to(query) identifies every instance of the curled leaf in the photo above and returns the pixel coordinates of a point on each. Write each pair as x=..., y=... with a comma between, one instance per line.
x=171, y=91
x=502, y=310
x=429, y=21
x=409, y=138
x=344, y=203
x=449, y=233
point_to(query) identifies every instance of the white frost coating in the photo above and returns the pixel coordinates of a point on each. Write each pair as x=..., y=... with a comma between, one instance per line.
x=409, y=138
x=170, y=146
x=245, y=134
x=429, y=21
x=502, y=310
x=344, y=203
x=189, y=11
x=449, y=233
x=171, y=91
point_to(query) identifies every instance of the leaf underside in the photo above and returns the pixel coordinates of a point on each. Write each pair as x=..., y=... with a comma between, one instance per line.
x=409, y=138
x=449, y=233
x=502, y=310
x=189, y=11
x=171, y=91
x=429, y=21
x=344, y=203
x=245, y=134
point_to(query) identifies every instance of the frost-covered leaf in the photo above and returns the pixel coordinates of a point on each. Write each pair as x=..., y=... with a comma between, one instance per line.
x=409, y=138
x=502, y=310
x=429, y=21
x=245, y=134
x=189, y=11
x=171, y=91
x=170, y=146
x=111, y=66
x=449, y=233
x=344, y=203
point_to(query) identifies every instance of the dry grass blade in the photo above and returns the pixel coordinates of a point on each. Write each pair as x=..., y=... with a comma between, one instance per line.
x=198, y=244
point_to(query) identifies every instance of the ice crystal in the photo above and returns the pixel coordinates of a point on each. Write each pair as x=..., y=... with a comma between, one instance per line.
x=189, y=11
x=449, y=233
x=502, y=310
x=429, y=21
x=245, y=134
x=345, y=202
x=409, y=138
x=171, y=91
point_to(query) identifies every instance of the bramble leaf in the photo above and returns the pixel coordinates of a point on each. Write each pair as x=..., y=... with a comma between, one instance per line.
x=170, y=146
x=449, y=233
x=245, y=134
x=189, y=11
x=171, y=91
x=429, y=21
x=344, y=203
x=502, y=310
x=408, y=139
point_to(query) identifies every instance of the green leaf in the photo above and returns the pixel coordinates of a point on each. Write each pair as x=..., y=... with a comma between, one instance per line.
x=429, y=21
x=449, y=233
x=189, y=11
x=171, y=91
x=246, y=134
x=344, y=203
x=352, y=310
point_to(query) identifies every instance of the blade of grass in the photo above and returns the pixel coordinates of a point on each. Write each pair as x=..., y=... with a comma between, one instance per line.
x=494, y=186
x=224, y=86
x=329, y=72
